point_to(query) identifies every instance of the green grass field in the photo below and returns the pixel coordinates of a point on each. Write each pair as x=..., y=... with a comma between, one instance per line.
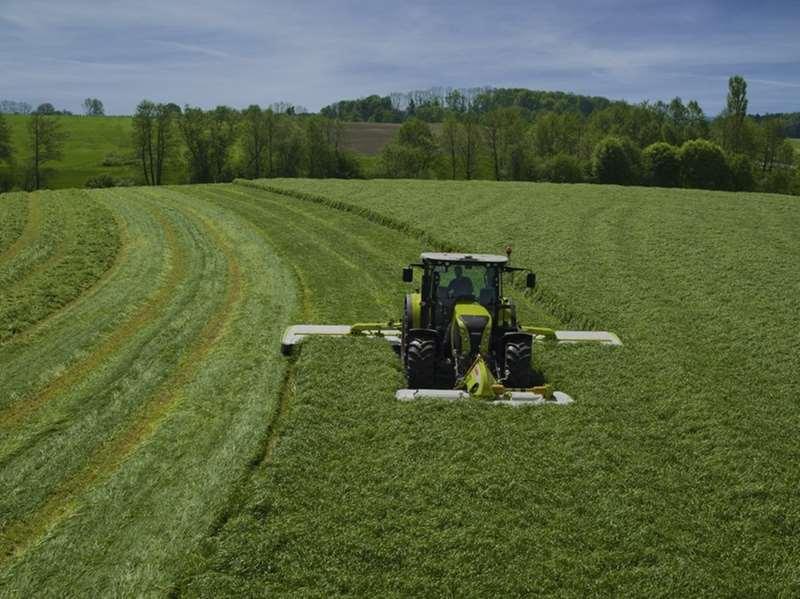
x=154, y=441
x=90, y=139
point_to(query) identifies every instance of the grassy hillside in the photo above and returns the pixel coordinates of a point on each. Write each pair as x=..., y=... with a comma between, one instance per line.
x=91, y=139
x=155, y=442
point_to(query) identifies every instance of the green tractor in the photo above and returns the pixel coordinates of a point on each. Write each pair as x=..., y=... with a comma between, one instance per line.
x=461, y=331
x=459, y=336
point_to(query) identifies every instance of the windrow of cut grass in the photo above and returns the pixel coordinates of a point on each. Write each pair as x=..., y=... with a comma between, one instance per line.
x=68, y=243
x=13, y=217
x=680, y=444
x=126, y=468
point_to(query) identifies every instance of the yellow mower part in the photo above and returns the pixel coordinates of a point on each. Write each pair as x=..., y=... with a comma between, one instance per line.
x=479, y=380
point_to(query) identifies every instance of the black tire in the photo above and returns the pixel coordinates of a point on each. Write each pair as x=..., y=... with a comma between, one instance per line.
x=519, y=372
x=421, y=363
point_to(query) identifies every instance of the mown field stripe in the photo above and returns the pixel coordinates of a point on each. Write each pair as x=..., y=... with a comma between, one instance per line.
x=29, y=233
x=258, y=202
x=555, y=310
x=19, y=410
x=19, y=536
x=286, y=394
x=120, y=258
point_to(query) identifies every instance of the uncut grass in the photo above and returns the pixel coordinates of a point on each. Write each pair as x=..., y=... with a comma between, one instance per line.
x=173, y=488
x=369, y=496
x=689, y=427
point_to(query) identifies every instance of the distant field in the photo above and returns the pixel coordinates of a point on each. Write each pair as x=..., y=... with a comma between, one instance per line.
x=154, y=442
x=369, y=138
x=90, y=139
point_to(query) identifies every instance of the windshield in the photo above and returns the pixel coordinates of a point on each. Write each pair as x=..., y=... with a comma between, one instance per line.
x=468, y=281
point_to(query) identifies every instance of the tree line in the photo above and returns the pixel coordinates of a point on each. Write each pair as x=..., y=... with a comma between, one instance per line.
x=433, y=105
x=489, y=134
x=212, y=146
x=662, y=144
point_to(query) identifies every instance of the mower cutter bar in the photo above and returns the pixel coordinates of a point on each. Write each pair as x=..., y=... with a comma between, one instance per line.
x=516, y=399
x=295, y=334
x=599, y=337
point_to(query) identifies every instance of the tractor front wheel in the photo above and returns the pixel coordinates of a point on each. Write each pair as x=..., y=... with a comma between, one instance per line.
x=519, y=370
x=420, y=363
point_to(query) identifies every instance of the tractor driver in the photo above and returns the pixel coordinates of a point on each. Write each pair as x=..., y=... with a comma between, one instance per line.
x=461, y=285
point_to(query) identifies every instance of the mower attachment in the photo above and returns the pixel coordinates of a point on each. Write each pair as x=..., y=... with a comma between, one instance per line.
x=295, y=334
x=598, y=337
x=516, y=399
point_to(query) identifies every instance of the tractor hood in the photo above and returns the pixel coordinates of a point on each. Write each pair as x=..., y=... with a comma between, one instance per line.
x=471, y=329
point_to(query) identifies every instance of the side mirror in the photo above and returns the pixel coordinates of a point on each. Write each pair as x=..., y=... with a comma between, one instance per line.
x=530, y=281
x=408, y=274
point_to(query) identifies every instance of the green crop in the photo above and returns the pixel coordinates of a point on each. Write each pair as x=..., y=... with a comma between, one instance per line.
x=153, y=441
x=67, y=243
x=678, y=445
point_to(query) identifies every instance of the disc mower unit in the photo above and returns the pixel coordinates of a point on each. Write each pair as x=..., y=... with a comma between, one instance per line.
x=459, y=337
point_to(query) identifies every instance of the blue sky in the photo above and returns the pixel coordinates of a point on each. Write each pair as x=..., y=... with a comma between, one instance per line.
x=239, y=52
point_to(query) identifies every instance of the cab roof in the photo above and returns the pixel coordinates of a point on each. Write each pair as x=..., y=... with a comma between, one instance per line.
x=452, y=257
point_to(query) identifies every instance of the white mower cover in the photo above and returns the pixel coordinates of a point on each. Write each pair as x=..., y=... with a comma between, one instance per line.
x=516, y=399
x=601, y=337
x=295, y=334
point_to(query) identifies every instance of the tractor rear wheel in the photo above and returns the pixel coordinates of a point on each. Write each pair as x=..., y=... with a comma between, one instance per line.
x=519, y=371
x=420, y=363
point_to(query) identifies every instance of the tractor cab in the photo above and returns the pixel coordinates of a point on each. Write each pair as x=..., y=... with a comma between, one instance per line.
x=458, y=313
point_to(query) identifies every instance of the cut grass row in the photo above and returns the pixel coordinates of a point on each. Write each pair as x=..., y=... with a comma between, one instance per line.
x=67, y=243
x=139, y=455
x=13, y=218
x=674, y=474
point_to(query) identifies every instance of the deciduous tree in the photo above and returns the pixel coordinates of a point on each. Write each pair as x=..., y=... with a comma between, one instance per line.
x=93, y=107
x=703, y=165
x=469, y=144
x=662, y=166
x=154, y=138
x=449, y=140
x=6, y=150
x=46, y=142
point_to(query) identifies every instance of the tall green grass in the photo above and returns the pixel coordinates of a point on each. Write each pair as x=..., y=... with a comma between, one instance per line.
x=181, y=454
x=679, y=444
